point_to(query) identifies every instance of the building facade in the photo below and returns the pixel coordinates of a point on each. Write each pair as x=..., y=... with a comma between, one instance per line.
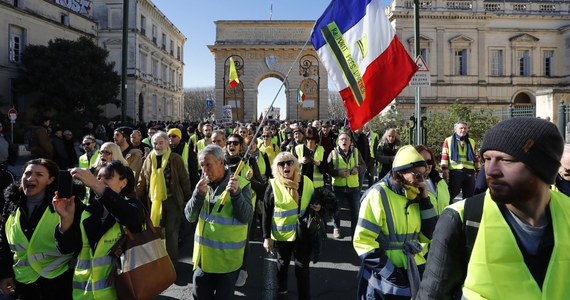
x=155, y=52
x=155, y=59
x=486, y=53
x=32, y=22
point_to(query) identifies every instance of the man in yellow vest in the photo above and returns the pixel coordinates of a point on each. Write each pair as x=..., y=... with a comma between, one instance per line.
x=87, y=160
x=512, y=241
x=459, y=161
x=221, y=234
x=187, y=152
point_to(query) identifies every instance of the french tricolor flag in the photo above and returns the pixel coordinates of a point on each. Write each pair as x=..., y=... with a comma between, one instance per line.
x=363, y=56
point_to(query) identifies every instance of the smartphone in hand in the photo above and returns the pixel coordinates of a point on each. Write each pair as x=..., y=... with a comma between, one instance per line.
x=64, y=184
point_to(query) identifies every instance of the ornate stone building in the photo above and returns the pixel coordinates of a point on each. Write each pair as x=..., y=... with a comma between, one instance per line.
x=155, y=51
x=155, y=58
x=32, y=22
x=488, y=53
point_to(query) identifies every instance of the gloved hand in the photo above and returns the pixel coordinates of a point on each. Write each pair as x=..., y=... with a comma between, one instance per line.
x=411, y=192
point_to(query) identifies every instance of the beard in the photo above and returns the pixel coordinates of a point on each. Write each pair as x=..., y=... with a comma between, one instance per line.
x=509, y=194
x=160, y=152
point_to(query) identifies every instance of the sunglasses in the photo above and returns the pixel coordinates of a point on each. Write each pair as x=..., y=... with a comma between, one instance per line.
x=235, y=143
x=105, y=152
x=265, y=136
x=419, y=176
x=172, y=136
x=429, y=161
x=87, y=144
x=285, y=162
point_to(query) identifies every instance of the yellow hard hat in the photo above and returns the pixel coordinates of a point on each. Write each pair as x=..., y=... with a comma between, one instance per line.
x=407, y=158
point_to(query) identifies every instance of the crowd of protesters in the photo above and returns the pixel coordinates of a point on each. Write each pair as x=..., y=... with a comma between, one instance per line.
x=220, y=186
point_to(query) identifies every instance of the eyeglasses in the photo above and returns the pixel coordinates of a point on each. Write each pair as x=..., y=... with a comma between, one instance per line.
x=419, y=176
x=235, y=143
x=265, y=136
x=87, y=144
x=285, y=162
x=105, y=152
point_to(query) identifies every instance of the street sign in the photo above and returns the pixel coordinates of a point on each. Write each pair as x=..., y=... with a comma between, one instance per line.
x=209, y=103
x=12, y=115
x=227, y=112
x=422, y=76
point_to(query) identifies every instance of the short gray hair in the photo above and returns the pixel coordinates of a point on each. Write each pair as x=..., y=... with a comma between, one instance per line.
x=214, y=150
x=158, y=134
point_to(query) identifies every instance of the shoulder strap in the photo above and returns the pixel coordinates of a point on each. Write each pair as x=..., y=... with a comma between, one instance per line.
x=472, y=213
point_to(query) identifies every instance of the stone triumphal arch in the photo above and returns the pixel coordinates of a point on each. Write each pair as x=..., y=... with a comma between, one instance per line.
x=263, y=49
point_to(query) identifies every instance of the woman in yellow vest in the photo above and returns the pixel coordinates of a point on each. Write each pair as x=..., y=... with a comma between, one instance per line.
x=393, y=215
x=310, y=156
x=438, y=188
x=93, y=230
x=287, y=198
x=345, y=163
x=31, y=267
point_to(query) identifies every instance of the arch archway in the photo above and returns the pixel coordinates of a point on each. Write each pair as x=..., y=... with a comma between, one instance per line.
x=269, y=49
x=523, y=98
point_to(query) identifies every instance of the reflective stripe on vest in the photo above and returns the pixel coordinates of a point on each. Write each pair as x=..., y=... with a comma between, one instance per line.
x=498, y=270
x=463, y=163
x=385, y=222
x=220, y=239
x=287, y=211
x=340, y=164
x=92, y=270
x=39, y=256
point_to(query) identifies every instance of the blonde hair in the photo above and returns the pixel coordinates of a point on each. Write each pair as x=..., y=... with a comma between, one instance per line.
x=115, y=153
x=284, y=156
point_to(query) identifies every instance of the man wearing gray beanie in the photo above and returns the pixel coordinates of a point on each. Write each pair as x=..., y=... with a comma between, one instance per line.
x=513, y=241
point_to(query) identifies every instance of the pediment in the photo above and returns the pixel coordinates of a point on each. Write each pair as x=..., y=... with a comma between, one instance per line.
x=113, y=42
x=423, y=39
x=461, y=39
x=525, y=37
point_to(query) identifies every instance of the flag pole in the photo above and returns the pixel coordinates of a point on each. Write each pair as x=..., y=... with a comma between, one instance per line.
x=237, y=106
x=225, y=194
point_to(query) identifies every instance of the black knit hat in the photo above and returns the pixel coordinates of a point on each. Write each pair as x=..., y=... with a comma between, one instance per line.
x=535, y=142
x=125, y=131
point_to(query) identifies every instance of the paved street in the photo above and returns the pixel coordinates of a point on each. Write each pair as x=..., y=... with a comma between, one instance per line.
x=332, y=278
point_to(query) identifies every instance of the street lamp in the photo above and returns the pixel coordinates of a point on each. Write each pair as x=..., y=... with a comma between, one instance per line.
x=307, y=69
x=124, y=60
x=238, y=61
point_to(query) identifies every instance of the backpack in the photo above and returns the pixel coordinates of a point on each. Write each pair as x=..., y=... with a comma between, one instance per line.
x=472, y=213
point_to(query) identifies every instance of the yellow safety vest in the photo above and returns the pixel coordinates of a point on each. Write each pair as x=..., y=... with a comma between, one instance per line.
x=87, y=164
x=39, y=256
x=219, y=241
x=287, y=211
x=386, y=216
x=338, y=162
x=373, y=138
x=463, y=162
x=440, y=200
x=185, y=156
x=92, y=271
x=497, y=269
x=318, y=178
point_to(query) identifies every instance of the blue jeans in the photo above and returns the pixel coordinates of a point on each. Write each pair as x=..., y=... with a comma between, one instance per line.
x=352, y=197
x=211, y=286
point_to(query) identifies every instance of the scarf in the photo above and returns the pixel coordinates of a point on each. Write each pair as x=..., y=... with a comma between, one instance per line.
x=292, y=186
x=454, y=146
x=157, y=190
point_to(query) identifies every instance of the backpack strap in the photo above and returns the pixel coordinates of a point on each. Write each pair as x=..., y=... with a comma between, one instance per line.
x=472, y=213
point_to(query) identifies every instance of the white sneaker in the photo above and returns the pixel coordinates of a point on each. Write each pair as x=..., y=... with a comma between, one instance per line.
x=242, y=278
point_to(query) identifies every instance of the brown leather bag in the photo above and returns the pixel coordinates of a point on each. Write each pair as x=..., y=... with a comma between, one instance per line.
x=144, y=269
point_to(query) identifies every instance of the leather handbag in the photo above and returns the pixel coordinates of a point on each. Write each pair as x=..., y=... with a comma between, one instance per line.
x=144, y=269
